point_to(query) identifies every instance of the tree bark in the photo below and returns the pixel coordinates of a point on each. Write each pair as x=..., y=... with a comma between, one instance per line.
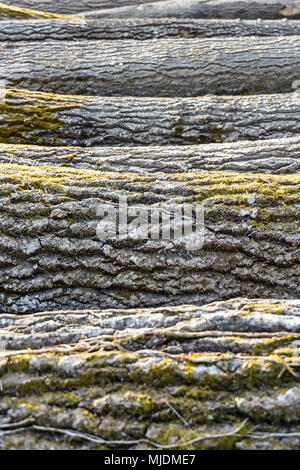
x=231, y=9
x=142, y=29
x=188, y=67
x=52, y=257
x=46, y=119
x=72, y=6
x=274, y=156
x=134, y=379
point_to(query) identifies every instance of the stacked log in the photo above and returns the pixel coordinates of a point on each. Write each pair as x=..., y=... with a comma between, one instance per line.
x=273, y=156
x=167, y=68
x=165, y=378
x=46, y=119
x=141, y=29
x=134, y=341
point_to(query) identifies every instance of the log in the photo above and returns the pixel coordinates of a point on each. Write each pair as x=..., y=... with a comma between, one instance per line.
x=165, y=378
x=52, y=256
x=72, y=6
x=142, y=29
x=7, y=11
x=274, y=156
x=168, y=67
x=230, y=9
x=46, y=119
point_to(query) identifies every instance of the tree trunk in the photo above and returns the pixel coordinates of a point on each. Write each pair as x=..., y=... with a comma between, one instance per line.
x=268, y=9
x=46, y=119
x=135, y=379
x=52, y=256
x=274, y=156
x=72, y=6
x=142, y=29
x=168, y=67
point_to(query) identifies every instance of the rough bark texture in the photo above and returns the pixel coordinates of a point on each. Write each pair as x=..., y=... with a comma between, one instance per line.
x=142, y=29
x=268, y=9
x=7, y=11
x=277, y=156
x=180, y=67
x=110, y=341
x=52, y=258
x=72, y=6
x=47, y=119
x=177, y=378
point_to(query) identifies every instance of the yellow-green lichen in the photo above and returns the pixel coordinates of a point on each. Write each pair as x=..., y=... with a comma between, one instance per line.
x=24, y=115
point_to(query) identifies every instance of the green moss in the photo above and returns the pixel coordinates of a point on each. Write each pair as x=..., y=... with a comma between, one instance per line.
x=18, y=363
x=234, y=189
x=62, y=399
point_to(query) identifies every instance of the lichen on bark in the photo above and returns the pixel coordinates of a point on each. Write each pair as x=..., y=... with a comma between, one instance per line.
x=10, y=11
x=149, y=378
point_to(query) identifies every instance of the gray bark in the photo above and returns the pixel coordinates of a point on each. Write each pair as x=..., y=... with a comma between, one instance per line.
x=277, y=156
x=142, y=29
x=149, y=378
x=8, y=12
x=52, y=258
x=231, y=9
x=183, y=67
x=46, y=119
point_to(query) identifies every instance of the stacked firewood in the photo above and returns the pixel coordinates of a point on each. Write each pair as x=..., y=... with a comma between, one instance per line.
x=135, y=342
